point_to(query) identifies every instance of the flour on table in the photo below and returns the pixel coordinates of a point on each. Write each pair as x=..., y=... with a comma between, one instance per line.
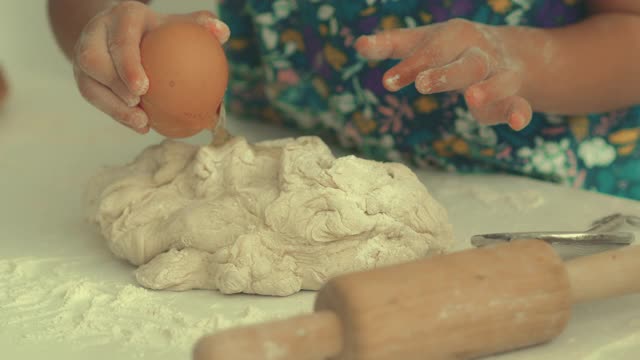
x=270, y=218
x=52, y=300
x=520, y=201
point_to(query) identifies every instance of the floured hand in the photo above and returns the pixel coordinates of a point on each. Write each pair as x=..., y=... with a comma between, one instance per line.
x=107, y=64
x=457, y=55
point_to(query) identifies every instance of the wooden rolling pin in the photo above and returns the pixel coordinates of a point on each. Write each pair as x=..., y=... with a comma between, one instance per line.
x=459, y=306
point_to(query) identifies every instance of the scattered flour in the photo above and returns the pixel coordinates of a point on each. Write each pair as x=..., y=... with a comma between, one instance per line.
x=270, y=218
x=51, y=300
x=520, y=201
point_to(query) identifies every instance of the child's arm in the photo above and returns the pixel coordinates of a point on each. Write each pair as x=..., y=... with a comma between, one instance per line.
x=593, y=66
x=69, y=17
x=505, y=71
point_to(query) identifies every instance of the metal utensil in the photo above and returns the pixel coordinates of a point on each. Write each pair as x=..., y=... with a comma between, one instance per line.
x=601, y=236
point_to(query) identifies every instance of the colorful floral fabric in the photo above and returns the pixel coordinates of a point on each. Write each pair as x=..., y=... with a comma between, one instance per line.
x=293, y=64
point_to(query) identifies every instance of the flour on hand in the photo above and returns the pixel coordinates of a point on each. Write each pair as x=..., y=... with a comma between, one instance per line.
x=270, y=218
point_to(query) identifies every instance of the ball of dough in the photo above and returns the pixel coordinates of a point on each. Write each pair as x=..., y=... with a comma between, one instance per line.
x=270, y=218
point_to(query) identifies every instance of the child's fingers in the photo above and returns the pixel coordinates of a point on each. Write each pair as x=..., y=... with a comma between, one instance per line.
x=495, y=88
x=207, y=19
x=93, y=58
x=513, y=110
x=520, y=114
x=435, y=50
x=215, y=25
x=105, y=100
x=391, y=44
x=472, y=67
x=123, y=42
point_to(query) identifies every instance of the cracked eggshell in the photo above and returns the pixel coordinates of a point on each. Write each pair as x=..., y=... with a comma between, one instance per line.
x=188, y=74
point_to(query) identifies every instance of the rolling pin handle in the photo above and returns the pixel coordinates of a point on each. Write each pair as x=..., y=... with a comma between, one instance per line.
x=316, y=336
x=608, y=274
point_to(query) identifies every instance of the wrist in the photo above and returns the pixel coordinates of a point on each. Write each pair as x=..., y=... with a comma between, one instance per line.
x=532, y=52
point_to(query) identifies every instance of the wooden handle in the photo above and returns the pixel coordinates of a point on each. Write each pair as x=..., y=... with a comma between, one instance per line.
x=608, y=274
x=316, y=336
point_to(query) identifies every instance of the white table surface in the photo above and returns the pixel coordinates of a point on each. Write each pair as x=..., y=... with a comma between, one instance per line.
x=51, y=142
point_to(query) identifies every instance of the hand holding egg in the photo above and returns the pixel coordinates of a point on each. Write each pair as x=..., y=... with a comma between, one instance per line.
x=108, y=65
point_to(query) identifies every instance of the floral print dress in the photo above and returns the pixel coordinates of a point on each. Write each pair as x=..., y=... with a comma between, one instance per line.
x=293, y=64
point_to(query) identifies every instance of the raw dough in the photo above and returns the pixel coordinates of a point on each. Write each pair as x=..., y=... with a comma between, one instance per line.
x=271, y=218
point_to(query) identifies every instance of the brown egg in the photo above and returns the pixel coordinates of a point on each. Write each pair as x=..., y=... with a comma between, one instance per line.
x=188, y=74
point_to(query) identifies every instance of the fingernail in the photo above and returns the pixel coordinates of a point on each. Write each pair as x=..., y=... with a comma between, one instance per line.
x=374, y=49
x=222, y=30
x=371, y=40
x=517, y=122
x=132, y=101
x=138, y=120
x=142, y=86
x=392, y=82
x=422, y=82
x=477, y=96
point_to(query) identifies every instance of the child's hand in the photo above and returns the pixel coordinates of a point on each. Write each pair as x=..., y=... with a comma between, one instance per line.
x=107, y=64
x=455, y=55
